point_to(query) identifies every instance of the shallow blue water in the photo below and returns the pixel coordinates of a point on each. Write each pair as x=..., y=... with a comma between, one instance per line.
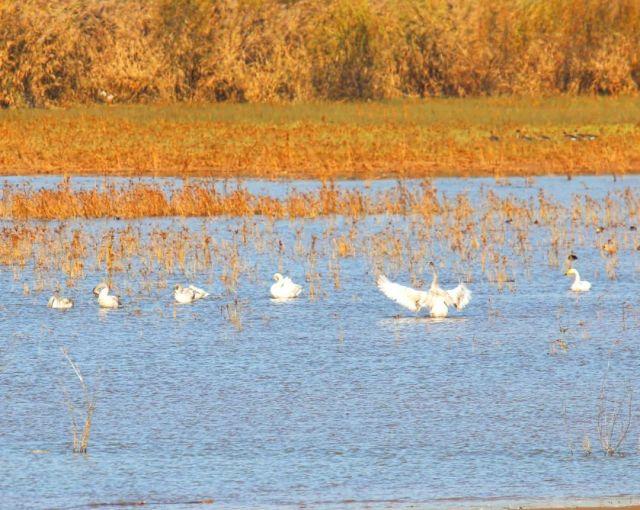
x=326, y=400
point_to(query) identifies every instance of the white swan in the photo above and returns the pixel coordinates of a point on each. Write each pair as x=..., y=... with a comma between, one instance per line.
x=284, y=287
x=188, y=294
x=60, y=303
x=105, y=300
x=436, y=298
x=578, y=285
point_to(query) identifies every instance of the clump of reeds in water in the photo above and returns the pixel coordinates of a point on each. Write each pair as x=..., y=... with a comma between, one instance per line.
x=399, y=229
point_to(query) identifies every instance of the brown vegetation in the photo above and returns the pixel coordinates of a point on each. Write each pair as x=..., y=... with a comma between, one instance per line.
x=499, y=235
x=421, y=138
x=282, y=50
x=80, y=440
x=196, y=199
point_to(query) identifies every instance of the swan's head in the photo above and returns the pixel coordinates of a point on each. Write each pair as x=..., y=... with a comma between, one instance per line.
x=571, y=272
x=432, y=266
x=99, y=287
x=177, y=286
x=277, y=277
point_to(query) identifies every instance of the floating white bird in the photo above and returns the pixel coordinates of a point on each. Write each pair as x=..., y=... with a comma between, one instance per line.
x=284, y=287
x=436, y=299
x=60, y=303
x=106, y=300
x=578, y=285
x=188, y=294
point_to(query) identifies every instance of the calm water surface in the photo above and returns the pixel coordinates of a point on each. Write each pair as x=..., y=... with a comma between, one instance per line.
x=321, y=401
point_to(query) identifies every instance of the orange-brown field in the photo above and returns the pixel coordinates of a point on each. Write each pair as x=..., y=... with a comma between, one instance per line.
x=426, y=138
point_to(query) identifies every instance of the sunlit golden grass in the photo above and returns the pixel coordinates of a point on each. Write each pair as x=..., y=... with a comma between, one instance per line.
x=464, y=137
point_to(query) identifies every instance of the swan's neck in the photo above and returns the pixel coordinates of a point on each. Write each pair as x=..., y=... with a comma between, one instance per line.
x=103, y=292
x=577, y=277
x=434, y=282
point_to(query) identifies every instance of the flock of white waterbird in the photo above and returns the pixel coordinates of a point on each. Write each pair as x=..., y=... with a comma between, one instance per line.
x=436, y=299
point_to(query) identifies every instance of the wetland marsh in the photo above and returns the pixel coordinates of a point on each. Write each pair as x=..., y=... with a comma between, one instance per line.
x=339, y=395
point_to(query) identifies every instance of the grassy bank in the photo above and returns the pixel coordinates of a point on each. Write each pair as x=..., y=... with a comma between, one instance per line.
x=462, y=137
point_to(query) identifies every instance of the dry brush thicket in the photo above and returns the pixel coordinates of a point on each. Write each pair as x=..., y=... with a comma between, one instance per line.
x=72, y=51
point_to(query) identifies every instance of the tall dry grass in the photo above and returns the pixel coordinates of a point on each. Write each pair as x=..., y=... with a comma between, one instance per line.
x=137, y=200
x=282, y=50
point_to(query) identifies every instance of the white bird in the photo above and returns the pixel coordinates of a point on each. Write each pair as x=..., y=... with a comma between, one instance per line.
x=578, y=285
x=284, y=287
x=59, y=303
x=188, y=294
x=106, y=300
x=436, y=298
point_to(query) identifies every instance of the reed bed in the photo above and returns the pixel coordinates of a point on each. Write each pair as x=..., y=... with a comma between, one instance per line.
x=193, y=199
x=498, y=239
x=465, y=137
x=292, y=50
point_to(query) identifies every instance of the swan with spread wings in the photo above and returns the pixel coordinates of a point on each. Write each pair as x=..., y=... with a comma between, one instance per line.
x=437, y=299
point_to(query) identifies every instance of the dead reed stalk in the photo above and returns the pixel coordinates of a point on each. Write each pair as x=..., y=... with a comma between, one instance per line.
x=80, y=440
x=613, y=424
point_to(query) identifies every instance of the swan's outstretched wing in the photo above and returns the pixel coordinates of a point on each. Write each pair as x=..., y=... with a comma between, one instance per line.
x=405, y=296
x=460, y=296
x=198, y=292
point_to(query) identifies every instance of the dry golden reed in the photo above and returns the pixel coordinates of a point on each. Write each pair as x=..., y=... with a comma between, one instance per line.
x=72, y=51
x=396, y=230
x=200, y=198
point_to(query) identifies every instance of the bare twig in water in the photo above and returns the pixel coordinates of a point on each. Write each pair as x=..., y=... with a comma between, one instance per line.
x=565, y=421
x=232, y=313
x=613, y=425
x=586, y=444
x=80, y=441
